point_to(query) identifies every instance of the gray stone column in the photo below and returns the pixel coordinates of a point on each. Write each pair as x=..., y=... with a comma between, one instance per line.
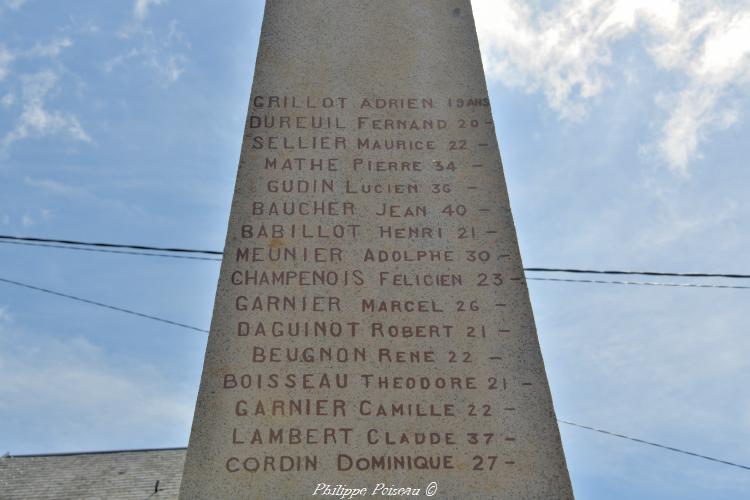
x=372, y=323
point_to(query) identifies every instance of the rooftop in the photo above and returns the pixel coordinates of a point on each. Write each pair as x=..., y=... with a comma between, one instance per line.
x=120, y=475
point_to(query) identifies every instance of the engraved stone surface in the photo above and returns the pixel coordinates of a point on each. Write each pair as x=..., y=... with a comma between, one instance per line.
x=372, y=326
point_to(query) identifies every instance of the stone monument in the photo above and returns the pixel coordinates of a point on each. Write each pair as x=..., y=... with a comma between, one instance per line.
x=372, y=332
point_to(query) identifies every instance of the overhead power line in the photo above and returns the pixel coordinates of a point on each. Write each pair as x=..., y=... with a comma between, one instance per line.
x=146, y=249
x=101, y=304
x=636, y=273
x=190, y=327
x=109, y=245
x=573, y=424
x=649, y=443
x=102, y=250
x=195, y=257
x=642, y=283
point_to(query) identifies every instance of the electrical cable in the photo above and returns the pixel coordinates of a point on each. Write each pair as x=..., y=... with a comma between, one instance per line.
x=108, y=245
x=642, y=283
x=183, y=325
x=101, y=250
x=101, y=304
x=637, y=273
x=664, y=447
x=79, y=245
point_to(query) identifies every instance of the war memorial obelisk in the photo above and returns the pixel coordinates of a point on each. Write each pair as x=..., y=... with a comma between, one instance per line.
x=372, y=329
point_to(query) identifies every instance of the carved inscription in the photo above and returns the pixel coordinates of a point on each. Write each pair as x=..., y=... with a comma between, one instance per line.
x=372, y=330
x=351, y=231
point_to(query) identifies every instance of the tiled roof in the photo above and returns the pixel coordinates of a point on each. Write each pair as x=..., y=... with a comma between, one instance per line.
x=125, y=475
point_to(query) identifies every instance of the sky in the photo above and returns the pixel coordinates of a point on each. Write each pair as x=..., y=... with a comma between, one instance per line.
x=623, y=126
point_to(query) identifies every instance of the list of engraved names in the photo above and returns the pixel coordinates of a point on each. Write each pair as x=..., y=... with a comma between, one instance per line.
x=369, y=282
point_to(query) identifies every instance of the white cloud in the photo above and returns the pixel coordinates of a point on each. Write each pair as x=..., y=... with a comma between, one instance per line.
x=170, y=67
x=70, y=191
x=167, y=66
x=714, y=54
x=5, y=316
x=121, y=59
x=561, y=52
x=54, y=187
x=6, y=58
x=141, y=7
x=42, y=215
x=51, y=49
x=566, y=54
x=159, y=53
x=11, y=4
x=36, y=120
x=86, y=391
